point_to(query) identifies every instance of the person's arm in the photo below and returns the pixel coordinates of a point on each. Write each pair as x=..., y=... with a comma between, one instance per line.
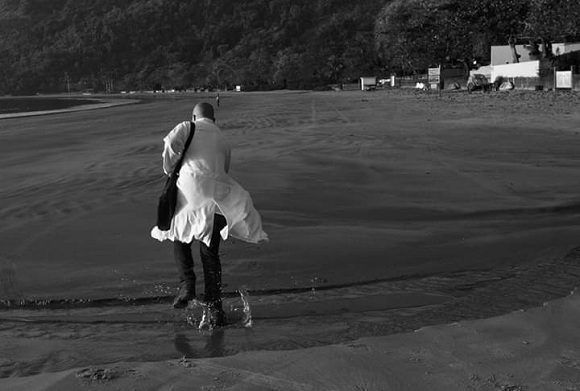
x=173, y=147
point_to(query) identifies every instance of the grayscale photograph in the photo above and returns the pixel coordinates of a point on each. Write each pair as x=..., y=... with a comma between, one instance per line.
x=305, y=195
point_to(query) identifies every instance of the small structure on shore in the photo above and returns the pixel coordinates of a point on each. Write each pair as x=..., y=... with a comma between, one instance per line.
x=368, y=83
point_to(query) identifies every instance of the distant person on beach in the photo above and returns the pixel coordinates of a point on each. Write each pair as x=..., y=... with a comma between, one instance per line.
x=217, y=99
x=210, y=206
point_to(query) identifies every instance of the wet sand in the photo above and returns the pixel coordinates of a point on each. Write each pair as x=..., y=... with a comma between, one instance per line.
x=535, y=350
x=386, y=211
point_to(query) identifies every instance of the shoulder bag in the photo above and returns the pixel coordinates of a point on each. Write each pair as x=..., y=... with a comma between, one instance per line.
x=168, y=198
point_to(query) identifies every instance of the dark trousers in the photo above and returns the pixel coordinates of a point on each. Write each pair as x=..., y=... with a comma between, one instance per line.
x=210, y=260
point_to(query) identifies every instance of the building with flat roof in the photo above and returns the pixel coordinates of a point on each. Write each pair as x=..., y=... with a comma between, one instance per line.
x=502, y=54
x=368, y=82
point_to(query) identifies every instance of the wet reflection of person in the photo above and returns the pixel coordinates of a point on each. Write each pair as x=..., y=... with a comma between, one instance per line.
x=181, y=344
x=215, y=344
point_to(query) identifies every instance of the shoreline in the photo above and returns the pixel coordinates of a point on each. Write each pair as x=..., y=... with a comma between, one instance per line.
x=283, y=323
x=523, y=350
x=104, y=104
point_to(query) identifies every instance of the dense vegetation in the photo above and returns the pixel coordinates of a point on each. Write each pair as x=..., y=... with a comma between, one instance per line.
x=145, y=44
x=414, y=34
x=52, y=45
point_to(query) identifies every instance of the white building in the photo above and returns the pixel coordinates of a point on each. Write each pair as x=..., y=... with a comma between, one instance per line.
x=368, y=82
x=503, y=55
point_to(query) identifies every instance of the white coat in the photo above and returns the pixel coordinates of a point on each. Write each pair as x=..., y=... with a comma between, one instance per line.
x=205, y=188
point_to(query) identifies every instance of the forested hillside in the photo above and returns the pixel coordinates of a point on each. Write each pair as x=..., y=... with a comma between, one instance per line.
x=50, y=45
x=145, y=44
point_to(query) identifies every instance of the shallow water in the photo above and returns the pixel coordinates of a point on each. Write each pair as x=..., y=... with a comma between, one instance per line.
x=59, y=339
x=385, y=214
x=65, y=338
x=18, y=105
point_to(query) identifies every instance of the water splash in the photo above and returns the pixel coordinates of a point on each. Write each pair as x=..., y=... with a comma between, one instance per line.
x=197, y=309
x=206, y=321
x=246, y=320
x=196, y=313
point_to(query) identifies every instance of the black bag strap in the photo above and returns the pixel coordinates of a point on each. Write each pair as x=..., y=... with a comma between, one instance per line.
x=187, y=143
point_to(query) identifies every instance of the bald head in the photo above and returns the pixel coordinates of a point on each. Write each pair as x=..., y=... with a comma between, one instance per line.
x=203, y=110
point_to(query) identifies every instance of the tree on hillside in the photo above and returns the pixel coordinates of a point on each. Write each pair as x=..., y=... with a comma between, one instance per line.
x=549, y=21
x=150, y=43
x=413, y=34
x=554, y=19
x=289, y=69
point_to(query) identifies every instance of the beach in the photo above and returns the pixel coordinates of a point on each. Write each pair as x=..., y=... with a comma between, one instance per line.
x=528, y=350
x=388, y=212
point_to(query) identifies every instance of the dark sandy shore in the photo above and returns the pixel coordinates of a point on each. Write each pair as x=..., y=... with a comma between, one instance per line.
x=388, y=212
x=527, y=350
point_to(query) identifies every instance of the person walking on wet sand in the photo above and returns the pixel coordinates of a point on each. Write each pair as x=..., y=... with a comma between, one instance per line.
x=210, y=206
x=217, y=99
